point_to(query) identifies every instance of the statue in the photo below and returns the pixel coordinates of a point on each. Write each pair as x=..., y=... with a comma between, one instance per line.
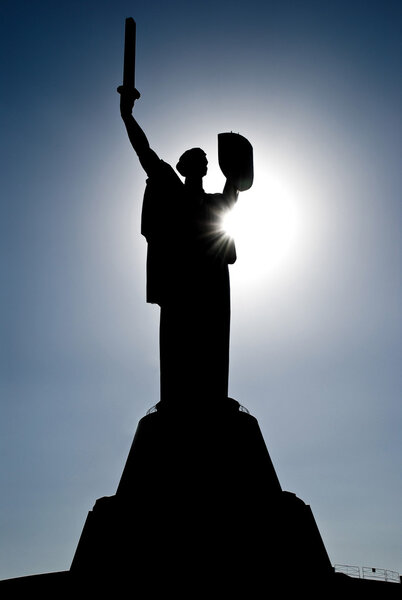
x=187, y=259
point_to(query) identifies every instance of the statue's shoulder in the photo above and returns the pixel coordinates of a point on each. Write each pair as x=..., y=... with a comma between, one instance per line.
x=162, y=196
x=164, y=173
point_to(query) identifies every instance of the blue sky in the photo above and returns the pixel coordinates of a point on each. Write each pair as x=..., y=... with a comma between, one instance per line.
x=316, y=291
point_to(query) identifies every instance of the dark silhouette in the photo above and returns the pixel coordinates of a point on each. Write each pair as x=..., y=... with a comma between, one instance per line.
x=188, y=253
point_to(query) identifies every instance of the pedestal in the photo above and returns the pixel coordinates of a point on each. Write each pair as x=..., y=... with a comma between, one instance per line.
x=199, y=507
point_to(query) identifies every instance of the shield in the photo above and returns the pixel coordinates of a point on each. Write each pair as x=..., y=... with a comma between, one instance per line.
x=235, y=156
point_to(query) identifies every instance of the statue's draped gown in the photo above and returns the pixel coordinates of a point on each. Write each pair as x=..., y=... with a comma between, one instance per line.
x=187, y=275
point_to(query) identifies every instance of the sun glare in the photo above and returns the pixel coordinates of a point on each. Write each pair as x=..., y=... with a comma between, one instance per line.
x=265, y=225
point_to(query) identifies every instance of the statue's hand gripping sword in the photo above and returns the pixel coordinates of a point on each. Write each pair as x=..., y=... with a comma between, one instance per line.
x=128, y=86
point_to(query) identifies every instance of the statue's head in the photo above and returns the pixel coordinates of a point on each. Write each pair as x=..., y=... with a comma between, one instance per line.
x=193, y=163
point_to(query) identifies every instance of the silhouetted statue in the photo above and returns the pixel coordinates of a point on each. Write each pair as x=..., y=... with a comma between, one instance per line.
x=187, y=267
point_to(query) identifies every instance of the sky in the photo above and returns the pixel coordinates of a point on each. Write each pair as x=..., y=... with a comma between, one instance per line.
x=316, y=290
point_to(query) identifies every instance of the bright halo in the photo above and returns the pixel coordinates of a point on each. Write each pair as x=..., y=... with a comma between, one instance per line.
x=265, y=225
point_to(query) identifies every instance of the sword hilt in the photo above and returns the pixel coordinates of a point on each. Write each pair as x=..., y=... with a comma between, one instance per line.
x=123, y=89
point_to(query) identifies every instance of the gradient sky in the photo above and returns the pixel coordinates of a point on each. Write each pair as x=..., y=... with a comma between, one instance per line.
x=316, y=328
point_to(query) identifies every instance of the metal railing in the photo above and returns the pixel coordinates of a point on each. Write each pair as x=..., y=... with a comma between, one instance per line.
x=381, y=574
x=368, y=573
x=348, y=570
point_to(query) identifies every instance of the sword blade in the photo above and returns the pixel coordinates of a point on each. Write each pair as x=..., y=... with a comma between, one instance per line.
x=129, y=54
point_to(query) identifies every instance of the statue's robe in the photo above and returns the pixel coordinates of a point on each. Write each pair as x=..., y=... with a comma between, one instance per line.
x=187, y=275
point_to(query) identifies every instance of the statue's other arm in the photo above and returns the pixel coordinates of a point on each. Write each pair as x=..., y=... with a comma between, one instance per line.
x=230, y=194
x=148, y=158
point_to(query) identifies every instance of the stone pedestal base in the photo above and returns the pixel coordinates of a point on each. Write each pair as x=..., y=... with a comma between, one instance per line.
x=199, y=507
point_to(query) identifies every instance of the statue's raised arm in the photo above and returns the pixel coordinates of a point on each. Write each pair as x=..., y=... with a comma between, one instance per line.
x=139, y=141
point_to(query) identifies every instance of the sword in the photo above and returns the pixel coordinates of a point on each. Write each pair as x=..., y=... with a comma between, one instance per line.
x=129, y=59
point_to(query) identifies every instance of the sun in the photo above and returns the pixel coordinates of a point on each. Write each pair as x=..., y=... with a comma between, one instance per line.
x=265, y=224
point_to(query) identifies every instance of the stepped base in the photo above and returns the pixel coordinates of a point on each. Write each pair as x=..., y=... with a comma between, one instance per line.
x=199, y=501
